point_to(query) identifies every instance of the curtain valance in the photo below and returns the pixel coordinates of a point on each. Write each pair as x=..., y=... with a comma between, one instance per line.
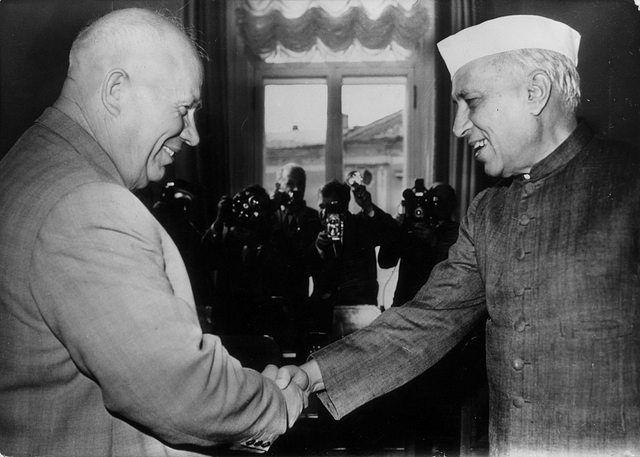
x=295, y=26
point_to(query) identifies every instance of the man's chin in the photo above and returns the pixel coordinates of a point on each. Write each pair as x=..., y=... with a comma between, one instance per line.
x=492, y=172
x=156, y=174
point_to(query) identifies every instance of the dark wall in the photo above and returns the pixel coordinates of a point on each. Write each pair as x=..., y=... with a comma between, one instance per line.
x=35, y=38
x=608, y=61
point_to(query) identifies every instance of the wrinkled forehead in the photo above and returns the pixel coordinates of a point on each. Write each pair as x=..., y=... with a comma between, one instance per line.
x=477, y=75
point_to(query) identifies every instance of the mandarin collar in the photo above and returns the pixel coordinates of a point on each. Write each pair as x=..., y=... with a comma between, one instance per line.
x=83, y=143
x=562, y=155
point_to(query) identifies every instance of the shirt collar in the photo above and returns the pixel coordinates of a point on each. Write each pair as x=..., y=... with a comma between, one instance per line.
x=564, y=153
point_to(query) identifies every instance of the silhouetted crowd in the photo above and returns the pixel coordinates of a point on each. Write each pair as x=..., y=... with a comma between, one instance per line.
x=271, y=265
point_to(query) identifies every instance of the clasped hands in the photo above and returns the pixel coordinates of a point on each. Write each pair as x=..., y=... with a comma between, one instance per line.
x=296, y=383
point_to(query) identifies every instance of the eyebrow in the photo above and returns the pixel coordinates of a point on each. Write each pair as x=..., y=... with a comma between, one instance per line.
x=196, y=104
x=460, y=95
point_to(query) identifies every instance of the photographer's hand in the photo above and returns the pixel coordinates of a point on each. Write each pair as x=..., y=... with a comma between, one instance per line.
x=363, y=199
x=425, y=233
x=323, y=241
x=223, y=216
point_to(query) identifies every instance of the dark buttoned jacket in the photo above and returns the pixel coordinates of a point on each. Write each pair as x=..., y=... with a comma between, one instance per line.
x=552, y=256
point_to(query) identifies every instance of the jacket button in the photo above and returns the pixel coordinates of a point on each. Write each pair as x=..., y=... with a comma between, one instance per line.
x=520, y=325
x=529, y=188
x=518, y=291
x=518, y=402
x=250, y=442
x=524, y=219
x=518, y=364
x=519, y=253
x=266, y=444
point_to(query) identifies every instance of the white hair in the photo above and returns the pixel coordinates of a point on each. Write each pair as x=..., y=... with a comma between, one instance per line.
x=562, y=72
x=295, y=171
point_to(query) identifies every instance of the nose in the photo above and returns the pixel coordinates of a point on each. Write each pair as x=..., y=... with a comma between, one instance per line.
x=462, y=124
x=189, y=133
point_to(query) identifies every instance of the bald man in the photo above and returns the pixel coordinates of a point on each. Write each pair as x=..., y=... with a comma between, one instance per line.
x=101, y=349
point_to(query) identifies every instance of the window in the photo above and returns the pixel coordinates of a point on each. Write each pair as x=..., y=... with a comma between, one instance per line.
x=347, y=101
x=373, y=133
x=295, y=130
x=335, y=124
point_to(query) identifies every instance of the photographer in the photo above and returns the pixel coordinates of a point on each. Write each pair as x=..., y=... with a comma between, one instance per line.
x=295, y=228
x=344, y=268
x=174, y=210
x=246, y=272
x=427, y=231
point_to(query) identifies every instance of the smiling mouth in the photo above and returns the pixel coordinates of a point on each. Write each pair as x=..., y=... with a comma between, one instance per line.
x=478, y=145
x=169, y=151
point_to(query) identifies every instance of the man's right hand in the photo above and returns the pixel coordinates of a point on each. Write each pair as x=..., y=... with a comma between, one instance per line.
x=307, y=376
x=296, y=397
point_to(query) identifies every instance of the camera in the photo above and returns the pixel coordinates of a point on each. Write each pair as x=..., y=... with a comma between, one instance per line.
x=288, y=197
x=418, y=204
x=333, y=221
x=247, y=209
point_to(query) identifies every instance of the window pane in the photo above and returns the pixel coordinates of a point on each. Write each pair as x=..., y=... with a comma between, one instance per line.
x=373, y=139
x=295, y=131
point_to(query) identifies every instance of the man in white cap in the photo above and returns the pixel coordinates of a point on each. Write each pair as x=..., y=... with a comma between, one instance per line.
x=550, y=254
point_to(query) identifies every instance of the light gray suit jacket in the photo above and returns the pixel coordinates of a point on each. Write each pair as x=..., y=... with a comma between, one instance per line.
x=101, y=352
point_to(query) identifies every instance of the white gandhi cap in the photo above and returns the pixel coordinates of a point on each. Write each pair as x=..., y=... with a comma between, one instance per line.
x=508, y=33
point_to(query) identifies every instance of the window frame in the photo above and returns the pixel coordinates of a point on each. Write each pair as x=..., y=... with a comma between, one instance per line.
x=334, y=74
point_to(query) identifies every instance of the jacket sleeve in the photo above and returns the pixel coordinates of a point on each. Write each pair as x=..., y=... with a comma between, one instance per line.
x=112, y=287
x=405, y=341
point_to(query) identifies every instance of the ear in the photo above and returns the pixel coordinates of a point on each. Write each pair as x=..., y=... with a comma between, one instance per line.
x=112, y=91
x=538, y=92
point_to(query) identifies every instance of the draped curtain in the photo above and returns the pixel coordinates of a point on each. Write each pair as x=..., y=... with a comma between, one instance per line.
x=273, y=29
x=465, y=174
x=462, y=165
x=208, y=166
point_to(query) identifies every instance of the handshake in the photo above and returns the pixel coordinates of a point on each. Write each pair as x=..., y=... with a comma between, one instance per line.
x=296, y=383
